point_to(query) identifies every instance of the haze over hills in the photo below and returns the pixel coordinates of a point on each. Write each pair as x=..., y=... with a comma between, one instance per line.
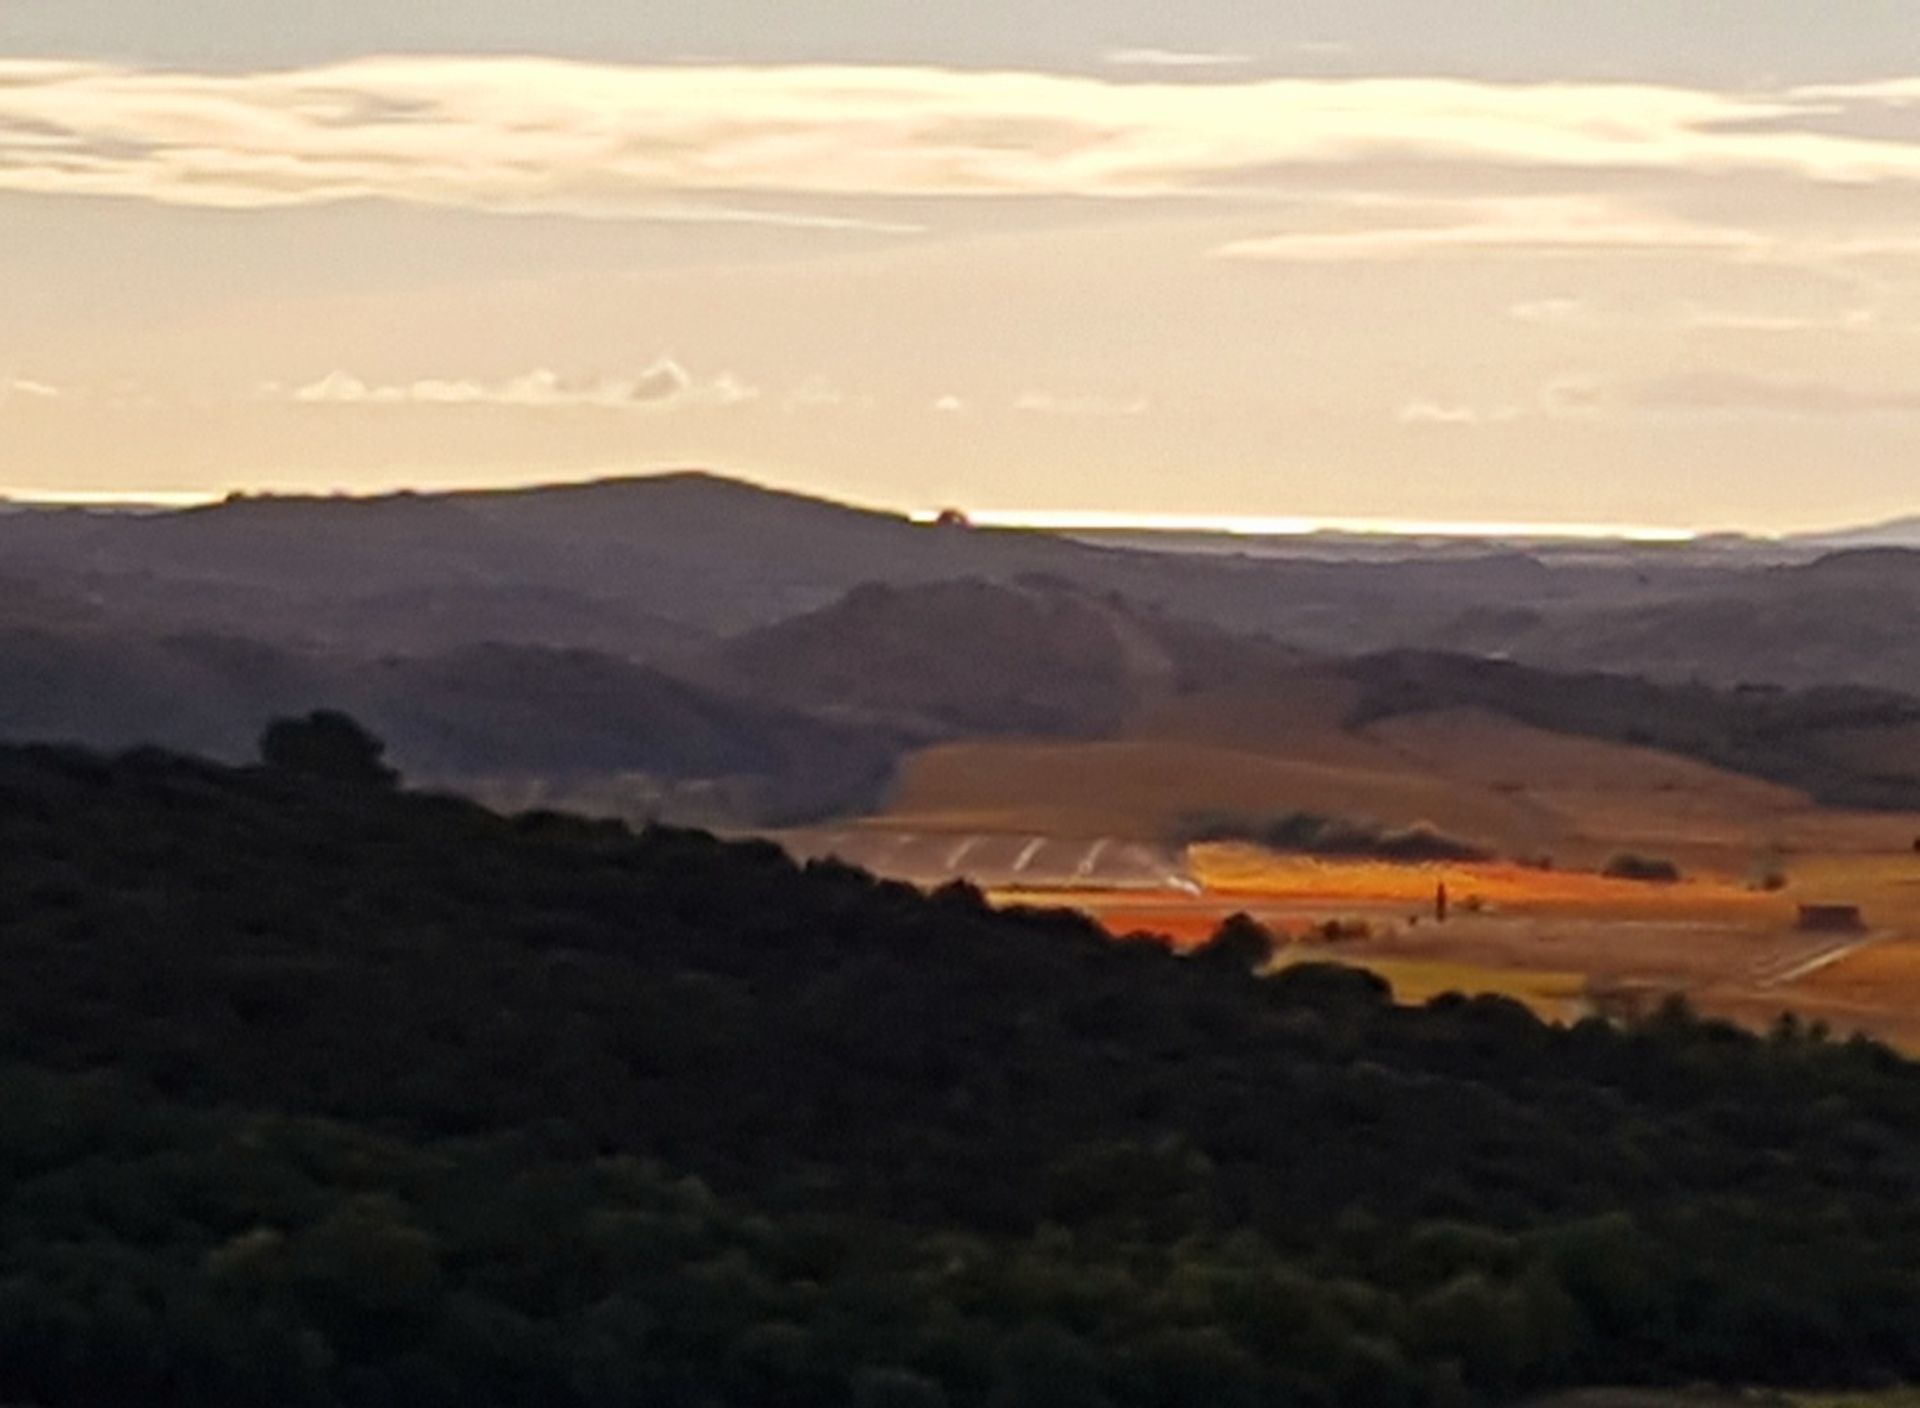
x=691, y=641
x=1034, y=656
x=483, y=716
x=1901, y=532
x=635, y=563
x=1846, y=617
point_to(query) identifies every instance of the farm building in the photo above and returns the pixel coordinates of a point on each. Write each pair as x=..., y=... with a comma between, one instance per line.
x=1831, y=919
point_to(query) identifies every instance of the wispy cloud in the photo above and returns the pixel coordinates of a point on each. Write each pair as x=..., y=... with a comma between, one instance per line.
x=1741, y=320
x=1049, y=403
x=30, y=389
x=1541, y=226
x=1455, y=414
x=665, y=383
x=708, y=142
x=817, y=393
x=1173, y=58
x=1573, y=396
x=1690, y=316
x=1735, y=393
x=1563, y=396
x=1549, y=311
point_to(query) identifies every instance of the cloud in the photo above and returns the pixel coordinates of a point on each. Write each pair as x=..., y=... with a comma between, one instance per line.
x=1549, y=310
x=1733, y=320
x=1436, y=413
x=949, y=404
x=738, y=141
x=1455, y=414
x=663, y=384
x=1172, y=58
x=1573, y=396
x=29, y=389
x=1735, y=393
x=816, y=393
x=1541, y=226
x=1047, y=403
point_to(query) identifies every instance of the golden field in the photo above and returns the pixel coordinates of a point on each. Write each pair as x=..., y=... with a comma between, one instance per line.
x=1515, y=789
x=1553, y=933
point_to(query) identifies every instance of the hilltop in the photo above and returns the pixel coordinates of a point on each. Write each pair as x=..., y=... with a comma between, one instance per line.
x=654, y=566
x=1844, y=618
x=637, y=564
x=704, y=649
x=1037, y=656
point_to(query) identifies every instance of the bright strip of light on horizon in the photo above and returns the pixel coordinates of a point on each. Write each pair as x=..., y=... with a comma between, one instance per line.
x=1238, y=525
x=111, y=498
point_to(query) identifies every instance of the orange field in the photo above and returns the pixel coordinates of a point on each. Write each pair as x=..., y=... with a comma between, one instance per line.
x=1559, y=936
x=1229, y=870
x=1565, y=942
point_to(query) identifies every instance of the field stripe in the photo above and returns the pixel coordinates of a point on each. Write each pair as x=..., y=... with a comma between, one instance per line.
x=1091, y=859
x=1826, y=958
x=960, y=852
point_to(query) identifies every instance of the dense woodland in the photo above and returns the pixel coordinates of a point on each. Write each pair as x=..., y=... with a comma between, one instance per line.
x=318, y=1092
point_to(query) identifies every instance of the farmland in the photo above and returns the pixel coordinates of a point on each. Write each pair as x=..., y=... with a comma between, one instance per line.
x=1094, y=825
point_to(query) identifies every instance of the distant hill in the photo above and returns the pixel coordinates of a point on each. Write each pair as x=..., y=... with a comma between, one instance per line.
x=1781, y=736
x=1037, y=656
x=1040, y=659
x=477, y=715
x=757, y=653
x=1846, y=618
x=648, y=566
x=636, y=565
x=1895, y=532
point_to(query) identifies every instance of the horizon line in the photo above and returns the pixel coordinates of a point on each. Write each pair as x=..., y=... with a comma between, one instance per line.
x=1302, y=526
x=1034, y=519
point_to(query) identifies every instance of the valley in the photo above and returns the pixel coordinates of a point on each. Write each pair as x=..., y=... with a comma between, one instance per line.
x=1141, y=728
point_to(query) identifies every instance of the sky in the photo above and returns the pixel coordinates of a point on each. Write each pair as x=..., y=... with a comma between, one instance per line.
x=1460, y=260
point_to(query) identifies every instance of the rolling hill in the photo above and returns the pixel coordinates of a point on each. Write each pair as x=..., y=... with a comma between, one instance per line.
x=1037, y=656
x=649, y=565
x=633, y=565
x=690, y=640
x=1846, y=618
x=485, y=717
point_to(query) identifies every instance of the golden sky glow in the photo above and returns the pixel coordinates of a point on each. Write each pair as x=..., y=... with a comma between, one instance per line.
x=1302, y=278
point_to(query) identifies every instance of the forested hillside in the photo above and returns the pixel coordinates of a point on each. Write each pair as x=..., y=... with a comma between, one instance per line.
x=475, y=715
x=314, y=1093
x=1797, y=738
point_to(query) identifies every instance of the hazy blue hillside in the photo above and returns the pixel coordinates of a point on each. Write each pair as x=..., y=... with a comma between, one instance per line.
x=1037, y=656
x=476, y=714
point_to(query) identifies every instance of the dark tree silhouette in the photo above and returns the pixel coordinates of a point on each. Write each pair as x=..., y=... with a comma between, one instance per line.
x=341, y=1096
x=1241, y=944
x=327, y=744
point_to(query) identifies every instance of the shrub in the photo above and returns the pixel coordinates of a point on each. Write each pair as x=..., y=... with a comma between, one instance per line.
x=327, y=744
x=1651, y=870
x=1310, y=833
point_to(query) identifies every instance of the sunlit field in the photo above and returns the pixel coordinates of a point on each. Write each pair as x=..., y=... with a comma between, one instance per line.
x=1228, y=869
x=1565, y=942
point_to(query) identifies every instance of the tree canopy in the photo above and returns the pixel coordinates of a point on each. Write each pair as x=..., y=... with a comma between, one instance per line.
x=327, y=744
x=334, y=1095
